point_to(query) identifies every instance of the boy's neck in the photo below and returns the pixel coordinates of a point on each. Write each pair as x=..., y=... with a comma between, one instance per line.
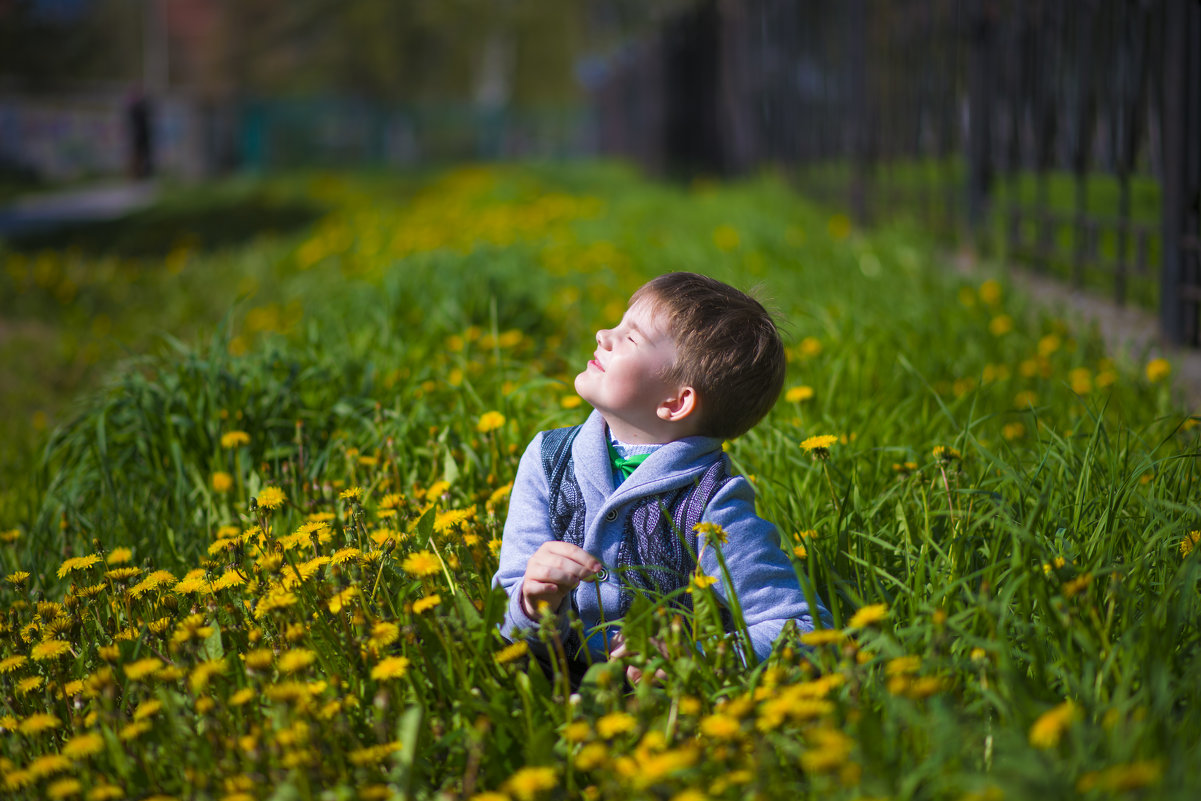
x=661, y=434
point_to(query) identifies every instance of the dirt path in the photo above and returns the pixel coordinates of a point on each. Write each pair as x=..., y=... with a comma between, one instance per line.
x=40, y=212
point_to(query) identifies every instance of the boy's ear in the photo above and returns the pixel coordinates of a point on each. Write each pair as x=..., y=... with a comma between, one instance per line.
x=679, y=407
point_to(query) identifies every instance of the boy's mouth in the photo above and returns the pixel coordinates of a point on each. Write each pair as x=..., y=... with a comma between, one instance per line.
x=594, y=362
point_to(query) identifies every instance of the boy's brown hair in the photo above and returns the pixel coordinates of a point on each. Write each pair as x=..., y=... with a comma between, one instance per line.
x=727, y=349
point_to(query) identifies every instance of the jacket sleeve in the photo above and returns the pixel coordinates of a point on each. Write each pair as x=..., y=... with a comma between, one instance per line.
x=764, y=580
x=526, y=528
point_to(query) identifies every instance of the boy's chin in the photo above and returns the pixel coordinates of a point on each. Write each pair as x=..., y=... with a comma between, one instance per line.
x=581, y=386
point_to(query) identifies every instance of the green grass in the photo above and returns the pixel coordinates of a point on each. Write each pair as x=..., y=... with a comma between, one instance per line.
x=933, y=193
x=1016, y=498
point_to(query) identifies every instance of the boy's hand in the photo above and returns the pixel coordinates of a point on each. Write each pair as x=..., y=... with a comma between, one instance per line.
x=554, y=570
x=633, y=674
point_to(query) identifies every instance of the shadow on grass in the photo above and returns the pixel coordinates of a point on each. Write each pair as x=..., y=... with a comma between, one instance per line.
x=210, y=223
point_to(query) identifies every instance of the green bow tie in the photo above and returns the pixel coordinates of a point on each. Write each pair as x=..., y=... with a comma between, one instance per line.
x=625, y=464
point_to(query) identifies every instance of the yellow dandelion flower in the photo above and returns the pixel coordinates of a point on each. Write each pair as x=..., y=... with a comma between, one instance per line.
x=142, y=668
x=383, y=634
x=119, y=556
x=571, y=401
x=1123, y=778
x=221, y=481
x=38, y=723
x=1047, y=731
x=712, y=532
x=352, y=494
x=720, y=726
x=258, y=659
x=798, y=394
x=437, y=490
x=148, y=708
x=1000, y=325
x=374, y=754
x=990, y=292
x=425, y=604
x=17, y=578
x=615, y=723
x=820, y=637
x=421, y=563
x=296, y=659
x=528, y=782
x=77, y=563
x=1012, y=431
x=592, y=756
x=273, y=601
x=13, y=663
x=1158, y=370
x=512, y=652
x=342, y=599
x=1186, y=547
x=134, y=730
x=868, y=615
x=50, y=649
x=63, y=788
x=83, y=745
x=500, y=493
x=576, y=732
x=271, y=498
x=1077, y=585
x=105, y=792
x=232, y=439
x=1081, y=380
x=489, y=421
x=48, y=765
x=242, y=697
x=451, y=518
x=945, y=455
x=830, y=751
x=16, y=779
x=903, y=665
x=392, y=667
x=204, y=672
x=700, y=581
x=821, y=442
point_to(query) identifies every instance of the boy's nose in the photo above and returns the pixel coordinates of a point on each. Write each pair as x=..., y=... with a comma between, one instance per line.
x=602, y=337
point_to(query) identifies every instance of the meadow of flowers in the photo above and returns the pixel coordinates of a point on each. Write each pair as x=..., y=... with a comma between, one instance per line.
x=256, y=562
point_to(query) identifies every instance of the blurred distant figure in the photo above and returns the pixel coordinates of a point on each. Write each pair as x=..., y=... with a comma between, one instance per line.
x=138, y=113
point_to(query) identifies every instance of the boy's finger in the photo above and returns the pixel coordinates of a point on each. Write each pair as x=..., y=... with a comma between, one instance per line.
x=558, y=571
x=574, y=553
x=563, y=553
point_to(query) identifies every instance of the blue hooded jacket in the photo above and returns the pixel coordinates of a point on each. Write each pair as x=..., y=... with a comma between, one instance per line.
x=763, y=578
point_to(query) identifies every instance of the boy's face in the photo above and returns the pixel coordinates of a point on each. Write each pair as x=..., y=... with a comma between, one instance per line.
x=623, y=381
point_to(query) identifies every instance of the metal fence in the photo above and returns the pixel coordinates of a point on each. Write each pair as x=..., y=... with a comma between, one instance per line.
x=1067, y=133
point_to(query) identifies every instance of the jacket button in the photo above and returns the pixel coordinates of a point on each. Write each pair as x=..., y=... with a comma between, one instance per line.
x=603, y=575
x=611, y=515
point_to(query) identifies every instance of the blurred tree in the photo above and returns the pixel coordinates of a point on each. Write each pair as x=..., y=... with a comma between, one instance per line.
x=514, y=51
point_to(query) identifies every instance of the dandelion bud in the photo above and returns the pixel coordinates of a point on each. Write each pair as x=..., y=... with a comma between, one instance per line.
x=97, y=545
x=170, y=603
x=389, y=545
x=254, y=504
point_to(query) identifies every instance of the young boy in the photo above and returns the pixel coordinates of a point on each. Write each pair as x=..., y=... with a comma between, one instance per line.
x=598, y=509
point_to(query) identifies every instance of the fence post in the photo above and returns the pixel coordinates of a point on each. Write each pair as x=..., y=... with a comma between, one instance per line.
x=1177, y=313
x=860, y=119
x=981, y=87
